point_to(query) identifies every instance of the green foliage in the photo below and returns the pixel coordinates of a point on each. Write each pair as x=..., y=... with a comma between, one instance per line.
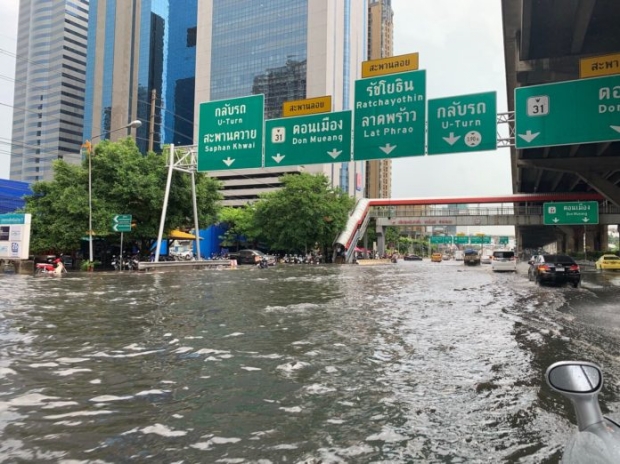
x=304, y=213
x=240, y=222
x=123, y=182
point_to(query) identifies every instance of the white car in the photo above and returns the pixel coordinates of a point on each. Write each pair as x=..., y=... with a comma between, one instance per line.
x=486, y=259
x=504, y=260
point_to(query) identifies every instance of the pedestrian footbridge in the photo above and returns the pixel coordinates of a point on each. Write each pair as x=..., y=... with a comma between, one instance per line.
x=521, y=210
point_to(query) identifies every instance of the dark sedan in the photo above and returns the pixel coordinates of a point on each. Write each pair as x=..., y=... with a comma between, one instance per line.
x=556, y=269
x=412, y=258
x=252, y=257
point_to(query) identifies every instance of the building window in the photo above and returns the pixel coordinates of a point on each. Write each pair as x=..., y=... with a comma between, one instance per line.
x=191, y=37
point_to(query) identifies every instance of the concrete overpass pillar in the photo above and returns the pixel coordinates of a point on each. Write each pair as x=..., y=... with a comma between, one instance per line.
x=596, y=238
x=570, y=243
x=380, y=240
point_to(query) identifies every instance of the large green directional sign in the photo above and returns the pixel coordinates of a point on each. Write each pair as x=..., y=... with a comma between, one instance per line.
x=461, y=239
x=390, y=112
x=320, y=138
x=570, y=213
x=564, y=113
x=462, y=124
x=230, y=134
x=441, y=239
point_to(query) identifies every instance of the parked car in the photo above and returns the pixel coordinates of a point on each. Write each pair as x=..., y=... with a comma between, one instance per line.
x=504, y=260
x=486, y=259
x=608, y=262
x=557, y=269
x=412, y=258
x=436, y=258
x=249, y=256
x=446, y=257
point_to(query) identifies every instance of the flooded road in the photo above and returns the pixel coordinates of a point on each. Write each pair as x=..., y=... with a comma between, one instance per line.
x=414, y=362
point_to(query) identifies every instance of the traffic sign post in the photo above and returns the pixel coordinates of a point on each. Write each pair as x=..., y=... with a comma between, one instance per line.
x=390, y=112
x=570, y=213
x=230, y=134
x=311, y=139
x=463, y=123
x=565, y=113
x=121, y=223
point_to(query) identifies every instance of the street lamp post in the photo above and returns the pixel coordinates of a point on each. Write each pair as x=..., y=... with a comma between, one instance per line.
x=132, y=125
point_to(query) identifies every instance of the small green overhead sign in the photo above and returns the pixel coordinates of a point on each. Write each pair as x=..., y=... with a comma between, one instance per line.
x=570, y=213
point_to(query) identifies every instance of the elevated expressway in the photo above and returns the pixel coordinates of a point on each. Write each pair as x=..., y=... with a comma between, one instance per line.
x=543, y=43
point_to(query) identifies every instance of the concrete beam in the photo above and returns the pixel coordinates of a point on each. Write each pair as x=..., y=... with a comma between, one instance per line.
x=604, y=187
x=583, y=17
x=574, y=165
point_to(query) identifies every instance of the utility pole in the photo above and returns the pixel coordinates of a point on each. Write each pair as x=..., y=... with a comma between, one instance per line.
x=152, y=120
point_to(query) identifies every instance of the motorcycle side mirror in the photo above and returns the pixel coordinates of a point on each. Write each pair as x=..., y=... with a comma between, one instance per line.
x=575, y=377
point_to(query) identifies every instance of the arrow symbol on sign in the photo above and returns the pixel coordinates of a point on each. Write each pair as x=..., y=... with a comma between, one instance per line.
x=528, y=136
x=585, y=219
x=388, y=148
x=334, y=153
x=278, y=158
x=228, y=161
x=616, y=128
x=452, y=139
x=556, y=220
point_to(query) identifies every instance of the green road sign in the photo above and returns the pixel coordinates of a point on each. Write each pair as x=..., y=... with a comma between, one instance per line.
x=446, y=239
x=320, y=138
x=462, y=123
x=230, y=134
x=570, y=213
x=390, y=112
x=564, y=113
x=461, y=239
x=503, y=240
x=121, y=223
x=479, y=239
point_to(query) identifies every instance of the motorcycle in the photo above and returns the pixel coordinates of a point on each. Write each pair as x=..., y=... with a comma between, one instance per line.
x=56, y=268
x=598, y=438
x=263, y=263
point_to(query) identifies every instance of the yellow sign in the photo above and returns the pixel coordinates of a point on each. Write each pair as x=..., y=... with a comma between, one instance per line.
x=309, y=106
x=599, y=66
x=391, y=65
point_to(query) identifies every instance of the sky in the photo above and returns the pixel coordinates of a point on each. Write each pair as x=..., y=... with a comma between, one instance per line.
x=461, y=47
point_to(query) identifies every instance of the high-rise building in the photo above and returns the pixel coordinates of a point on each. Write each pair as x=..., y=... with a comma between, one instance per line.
x=286, y=50
x=49, y=86
x=141, y=65
x=380, y=45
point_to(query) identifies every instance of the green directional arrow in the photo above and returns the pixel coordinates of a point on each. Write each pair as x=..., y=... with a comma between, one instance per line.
x=570, y=213
x=571, y=112
x=390, y=114
x=462, y=123
x=230, y=134
x=121, y=223
x=320, y=138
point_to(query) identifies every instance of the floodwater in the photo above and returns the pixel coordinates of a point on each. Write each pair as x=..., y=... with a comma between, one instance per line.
x=414, y=362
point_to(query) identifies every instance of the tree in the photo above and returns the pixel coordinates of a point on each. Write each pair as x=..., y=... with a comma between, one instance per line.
x=123, y=182
x=305, y=213
x=240, y=222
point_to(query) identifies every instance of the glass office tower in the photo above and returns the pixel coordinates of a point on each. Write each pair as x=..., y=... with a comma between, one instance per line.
x=141, y=65
x=286, y=50
x=48, y=107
